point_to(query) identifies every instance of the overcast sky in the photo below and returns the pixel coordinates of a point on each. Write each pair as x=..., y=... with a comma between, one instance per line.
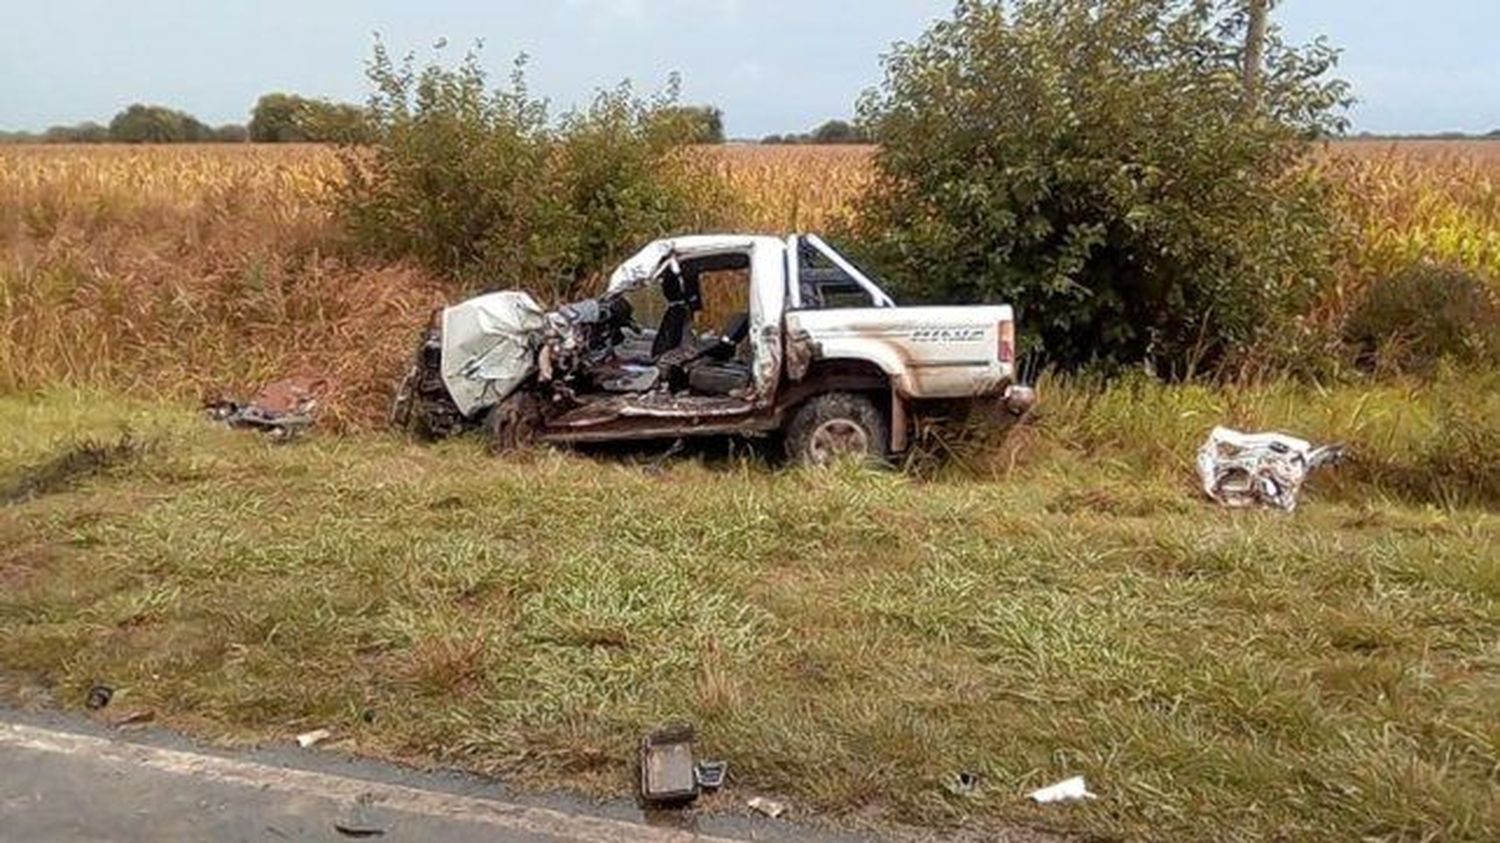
x=772, y=65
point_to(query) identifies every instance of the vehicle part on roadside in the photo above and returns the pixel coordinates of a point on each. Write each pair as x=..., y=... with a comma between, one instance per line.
x=358, y=831
x=282, y=410
x=768, y=807
x=710, y=774
x=667, y=771
x=1064, y=791
x=308, y=740
x=98, y=697
x=800, y=344
x=1248, y=469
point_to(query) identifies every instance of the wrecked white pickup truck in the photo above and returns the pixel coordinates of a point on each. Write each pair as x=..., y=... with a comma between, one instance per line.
x=747, y=335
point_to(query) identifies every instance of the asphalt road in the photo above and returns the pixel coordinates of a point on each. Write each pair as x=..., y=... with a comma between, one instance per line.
x=65, y=779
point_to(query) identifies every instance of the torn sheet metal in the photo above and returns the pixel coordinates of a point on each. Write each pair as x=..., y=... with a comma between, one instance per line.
x=1249, y=469
x=489, y=347
x=642, y=267
x=282, y=409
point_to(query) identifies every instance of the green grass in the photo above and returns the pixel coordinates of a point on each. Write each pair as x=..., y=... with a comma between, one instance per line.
x=1058, y=604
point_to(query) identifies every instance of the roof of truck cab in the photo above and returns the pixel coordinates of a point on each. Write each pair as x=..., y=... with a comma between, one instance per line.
x=639, y=268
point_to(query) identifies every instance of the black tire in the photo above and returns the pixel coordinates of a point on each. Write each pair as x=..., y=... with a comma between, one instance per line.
x=835, y=425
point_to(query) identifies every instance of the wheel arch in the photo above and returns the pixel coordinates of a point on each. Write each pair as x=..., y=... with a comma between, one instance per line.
x=857, y=375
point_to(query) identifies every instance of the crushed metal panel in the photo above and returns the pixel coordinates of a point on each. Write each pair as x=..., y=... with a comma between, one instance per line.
x=489, y=347
x=641, y=268
x=283, y=408
x=1249, y=469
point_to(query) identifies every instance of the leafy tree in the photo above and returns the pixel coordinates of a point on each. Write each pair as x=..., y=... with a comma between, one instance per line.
x=1098, y=163
x=704, y=123
x=157, y=124
x=290, y=118
x=231, y=133
x=479, y=184
x=838, y=131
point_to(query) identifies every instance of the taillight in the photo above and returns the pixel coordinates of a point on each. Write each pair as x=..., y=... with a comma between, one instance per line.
x=1007, y=349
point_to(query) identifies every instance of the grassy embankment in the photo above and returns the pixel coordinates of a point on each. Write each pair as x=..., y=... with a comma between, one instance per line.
x=1058, y=604
x=848, y=640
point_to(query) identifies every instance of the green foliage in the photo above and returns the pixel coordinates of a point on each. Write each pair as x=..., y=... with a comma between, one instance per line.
x=86, y=132
x=289, y=118
x=231, y=133
x=157, y=124
x=703, y=123
x=479, y=184
x=1425, y=314
x=1098, y=165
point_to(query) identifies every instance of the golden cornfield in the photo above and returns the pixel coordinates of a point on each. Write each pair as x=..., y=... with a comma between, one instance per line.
x=192, y=269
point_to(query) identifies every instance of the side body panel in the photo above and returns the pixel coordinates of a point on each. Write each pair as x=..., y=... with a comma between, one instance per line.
x=929, y=352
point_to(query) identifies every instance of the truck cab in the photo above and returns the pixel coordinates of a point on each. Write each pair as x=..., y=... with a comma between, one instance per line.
x=722, y=334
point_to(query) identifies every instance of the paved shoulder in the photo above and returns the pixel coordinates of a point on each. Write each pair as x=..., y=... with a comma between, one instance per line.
x=63, y=785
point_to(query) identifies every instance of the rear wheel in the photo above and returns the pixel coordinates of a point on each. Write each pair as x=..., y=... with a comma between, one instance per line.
x=837, y=425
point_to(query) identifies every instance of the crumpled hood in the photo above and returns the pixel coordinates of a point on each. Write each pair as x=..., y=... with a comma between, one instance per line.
x=489, y=347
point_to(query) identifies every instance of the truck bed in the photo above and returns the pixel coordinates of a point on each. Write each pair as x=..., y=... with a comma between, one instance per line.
x=930, y=352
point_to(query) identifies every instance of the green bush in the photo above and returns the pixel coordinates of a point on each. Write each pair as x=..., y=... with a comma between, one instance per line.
x=478, y=183
x=1100, y=165
x=703, y=123
x=1422, y=315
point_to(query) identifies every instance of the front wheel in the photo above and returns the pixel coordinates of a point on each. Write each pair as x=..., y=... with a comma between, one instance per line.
x=838, y=425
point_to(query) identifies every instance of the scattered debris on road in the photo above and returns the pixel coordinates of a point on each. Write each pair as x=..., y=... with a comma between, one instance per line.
x=710, y=774
x=1064, y=791
x=282, y=410
x=768, y=807
x=358, y=831
x=1248, y=469
x=98, y=697
x=308, y=740
x=139, y=717
x=668, y=775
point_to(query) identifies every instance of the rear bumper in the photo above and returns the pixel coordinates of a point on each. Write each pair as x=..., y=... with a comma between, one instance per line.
x=1018, y=400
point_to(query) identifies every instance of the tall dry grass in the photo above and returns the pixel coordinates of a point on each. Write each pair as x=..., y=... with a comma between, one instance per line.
x=190, y=271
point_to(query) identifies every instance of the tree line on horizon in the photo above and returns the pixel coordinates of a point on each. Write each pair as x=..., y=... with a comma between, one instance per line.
x=292, y=118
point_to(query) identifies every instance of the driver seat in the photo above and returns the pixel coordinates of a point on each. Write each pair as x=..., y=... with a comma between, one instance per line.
x=674, y=322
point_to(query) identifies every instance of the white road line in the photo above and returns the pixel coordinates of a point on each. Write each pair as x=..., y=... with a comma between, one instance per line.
x=501, y=815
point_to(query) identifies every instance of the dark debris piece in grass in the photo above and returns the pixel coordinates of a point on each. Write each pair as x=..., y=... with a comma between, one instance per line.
x=71, y=465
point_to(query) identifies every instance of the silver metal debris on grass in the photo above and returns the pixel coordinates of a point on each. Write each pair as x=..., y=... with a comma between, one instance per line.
x=308, y=740
x=767, y=807
x=1259, y=469
x=1063, y=791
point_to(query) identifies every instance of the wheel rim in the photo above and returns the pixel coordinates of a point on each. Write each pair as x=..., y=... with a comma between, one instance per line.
x=837, y=438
